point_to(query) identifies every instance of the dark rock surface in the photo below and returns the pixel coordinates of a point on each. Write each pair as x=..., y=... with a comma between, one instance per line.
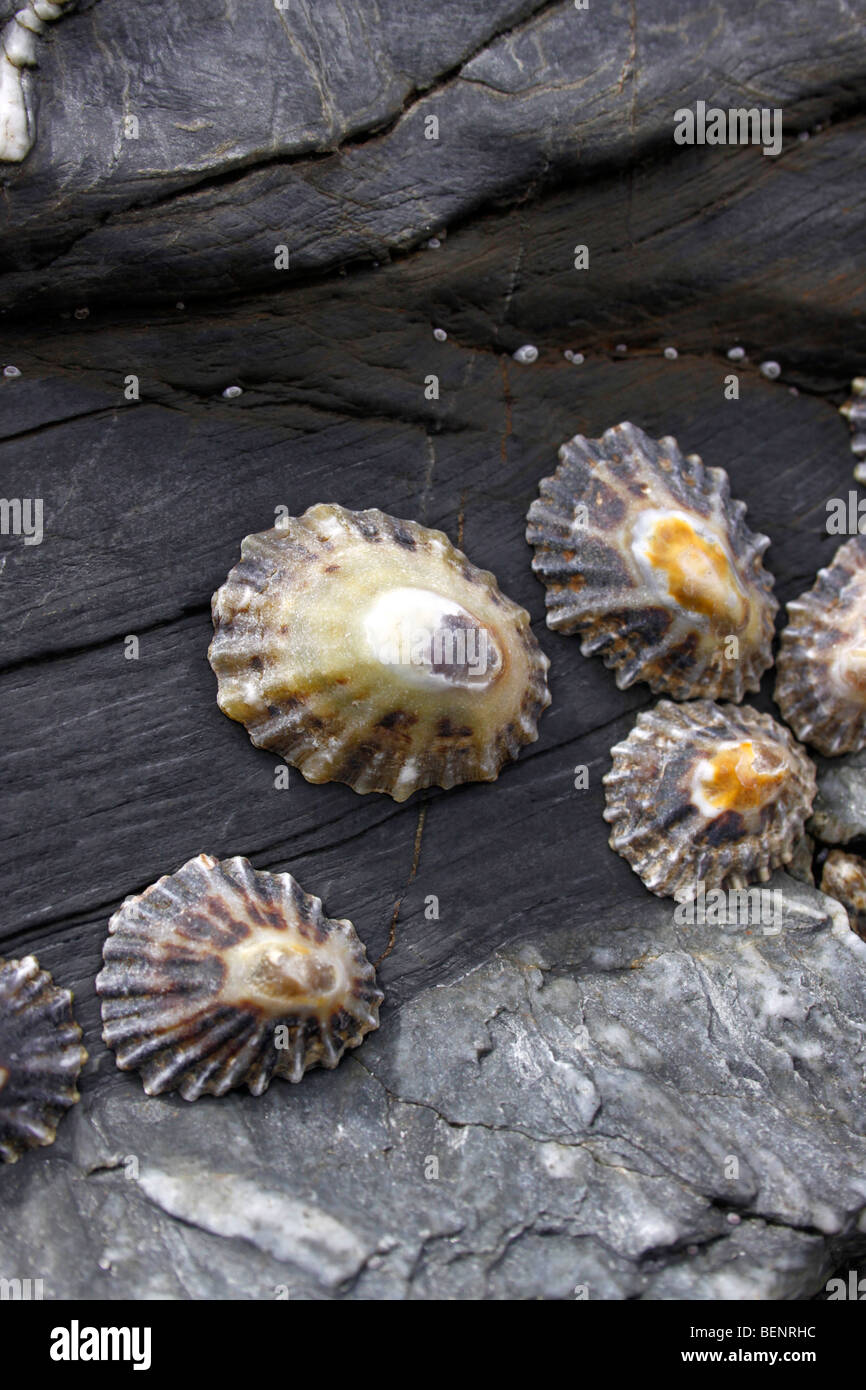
x=580, y=1068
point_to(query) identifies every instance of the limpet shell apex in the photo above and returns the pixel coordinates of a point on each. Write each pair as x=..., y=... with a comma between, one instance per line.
x=222, y=975
x=645, y=555
x=40, y=1057
x=707, y=794
x=370, y=651
x=821, y=664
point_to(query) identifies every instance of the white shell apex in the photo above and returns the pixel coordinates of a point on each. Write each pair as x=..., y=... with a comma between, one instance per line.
x=220, y=975
x=707, y=794
x=645, y=556
x=821, y=681
x=370, y=651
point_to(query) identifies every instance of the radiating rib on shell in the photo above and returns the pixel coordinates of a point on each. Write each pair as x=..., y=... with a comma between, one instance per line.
x=707, y=793
x=368, y=650
x=844, y=878
x=645, y=555
x=221, y=975
x=40, y=1057
x=854, y=411
x=821, y=680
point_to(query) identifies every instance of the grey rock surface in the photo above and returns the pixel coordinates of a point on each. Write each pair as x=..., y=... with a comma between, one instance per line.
x=839, y=814
x=256, y=129
x=563, y=1075
x=638, y=1110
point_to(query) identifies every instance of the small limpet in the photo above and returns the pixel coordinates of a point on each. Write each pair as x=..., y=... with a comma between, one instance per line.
x=854, y=411
x=40, y=1057
x=821, y=680
x=844, y=878
x=222, y=975
x=707, y=794
x=646, y=557
x=368, y=650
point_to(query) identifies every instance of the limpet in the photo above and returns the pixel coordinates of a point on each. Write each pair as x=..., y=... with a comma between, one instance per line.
x=367, y=650
x=707, y=794
x=844, y=878
x=221, y=975
x=854, y=411
x=821, y=665
x=40, y=1057
x=646, y=557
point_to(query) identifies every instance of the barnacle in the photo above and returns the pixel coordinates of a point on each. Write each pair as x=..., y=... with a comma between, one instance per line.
x=221, y=975
x=707, y=794
x=646, y=557
x=368, y=650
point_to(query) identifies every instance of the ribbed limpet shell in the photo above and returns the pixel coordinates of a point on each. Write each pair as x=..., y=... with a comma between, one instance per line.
x=222, y=975
x=645, y=555
x=854, y=411
x=40, y=1057
x=707, y=794
x=821, y=680
x=844, y=878
x=368, y=650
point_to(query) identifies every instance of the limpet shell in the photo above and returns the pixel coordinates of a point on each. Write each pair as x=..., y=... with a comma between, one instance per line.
x=646, y=557
x=222, y=975
x=40, y=1057
x=821, y=665
x=844, y=878
x=367, y=650
x=707, y=794
x=854, y=411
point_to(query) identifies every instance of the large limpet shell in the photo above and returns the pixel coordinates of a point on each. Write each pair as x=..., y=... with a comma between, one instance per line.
x=368, y=650
x=707, y=794
x=222, y=975
x=40, y=1057
x=645, y=555
x=821, y=680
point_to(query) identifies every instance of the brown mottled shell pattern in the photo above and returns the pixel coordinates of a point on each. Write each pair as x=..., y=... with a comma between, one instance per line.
x=701, y=793
x=40, y=1057
x=645, y=555
x=221, y=975
x=821, y=664
x=319, y=650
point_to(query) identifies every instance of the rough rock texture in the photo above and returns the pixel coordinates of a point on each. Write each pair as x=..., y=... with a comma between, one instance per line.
x=644, y=1109
x=840, y=806
x=581, y=1069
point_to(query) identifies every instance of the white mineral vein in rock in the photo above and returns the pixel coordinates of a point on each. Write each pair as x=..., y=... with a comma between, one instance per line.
x=230, y=1205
